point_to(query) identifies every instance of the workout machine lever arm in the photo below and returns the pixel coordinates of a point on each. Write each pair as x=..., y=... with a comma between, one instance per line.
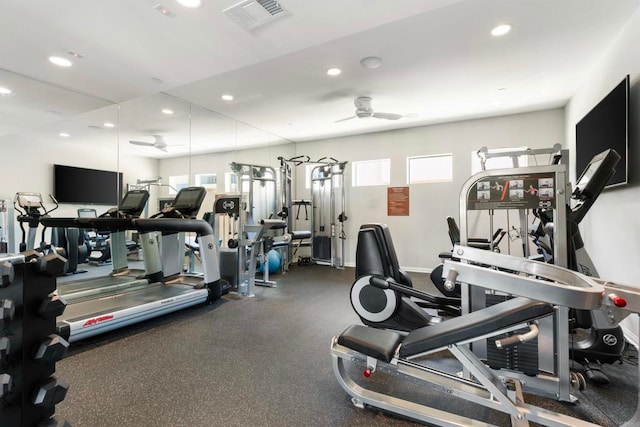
x=389, y=283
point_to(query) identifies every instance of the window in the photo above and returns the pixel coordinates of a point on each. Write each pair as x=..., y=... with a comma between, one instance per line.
x=426, y=169
x=177, y=183
x=207, y=180
x=371, y=172
x=230, y=182
x=308, y=169
x=504, y=162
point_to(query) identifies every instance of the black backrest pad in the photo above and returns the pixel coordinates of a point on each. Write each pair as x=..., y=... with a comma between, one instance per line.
x=370, y=256
x=376, y=255
x=509, y=313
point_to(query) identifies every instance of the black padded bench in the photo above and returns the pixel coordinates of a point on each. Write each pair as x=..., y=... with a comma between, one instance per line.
x=382, y=344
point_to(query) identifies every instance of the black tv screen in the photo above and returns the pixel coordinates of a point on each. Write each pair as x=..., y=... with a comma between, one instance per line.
x=86, y=186
x=606, y=126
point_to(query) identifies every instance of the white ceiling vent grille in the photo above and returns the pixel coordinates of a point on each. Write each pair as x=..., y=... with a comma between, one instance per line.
x=255, y=13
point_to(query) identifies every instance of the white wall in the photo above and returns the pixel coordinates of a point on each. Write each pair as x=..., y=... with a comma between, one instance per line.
x=421, y=236
x=611, y=230
x=27, y=166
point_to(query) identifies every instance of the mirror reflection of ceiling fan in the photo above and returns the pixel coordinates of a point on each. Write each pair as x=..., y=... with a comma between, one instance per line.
x=364, y=110
x=159, y=143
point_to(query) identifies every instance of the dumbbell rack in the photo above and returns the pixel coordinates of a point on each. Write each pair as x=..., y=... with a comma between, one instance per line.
x=29, y=347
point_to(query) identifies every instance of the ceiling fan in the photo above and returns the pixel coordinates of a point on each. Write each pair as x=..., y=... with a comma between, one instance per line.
x=364, y=110
x=158, y=143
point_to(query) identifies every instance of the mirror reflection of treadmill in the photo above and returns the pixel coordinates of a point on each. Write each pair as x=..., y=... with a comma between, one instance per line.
x=131, y=304
x=121, y=277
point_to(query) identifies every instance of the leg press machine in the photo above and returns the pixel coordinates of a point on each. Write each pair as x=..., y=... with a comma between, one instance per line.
x=537, y=290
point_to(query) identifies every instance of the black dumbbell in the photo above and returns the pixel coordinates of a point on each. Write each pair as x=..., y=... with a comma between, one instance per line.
x=50, y=393
x=7, y=309
x=52, y=306
x=30, y=255
x=51, y=265
x=6, y=385
x=5, y=349
x=52, y=349
x=7, y=274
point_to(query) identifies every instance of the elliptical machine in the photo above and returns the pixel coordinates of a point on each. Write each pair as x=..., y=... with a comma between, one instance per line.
x=67, y=242
x=30, y=209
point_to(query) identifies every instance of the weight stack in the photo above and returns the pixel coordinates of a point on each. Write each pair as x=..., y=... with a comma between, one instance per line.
x=520, y=358
x=29, y=347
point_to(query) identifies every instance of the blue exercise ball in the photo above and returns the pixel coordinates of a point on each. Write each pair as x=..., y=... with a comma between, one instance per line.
x=274, y=261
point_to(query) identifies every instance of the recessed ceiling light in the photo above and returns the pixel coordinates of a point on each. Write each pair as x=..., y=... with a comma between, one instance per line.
x=371, y=62
x=190, y=3
x=334, y=71
x=64, y=134
x=109, y=125
x=501, y=30
x=411, y=115
x=167, y=111
x=227, y=97
x=4, y=90
x=62, y=62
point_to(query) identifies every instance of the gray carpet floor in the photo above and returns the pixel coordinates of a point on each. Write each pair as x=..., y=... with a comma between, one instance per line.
x=261, y=361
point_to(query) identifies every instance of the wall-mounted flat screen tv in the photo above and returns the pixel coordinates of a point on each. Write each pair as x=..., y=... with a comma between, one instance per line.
x=86, y=186
x=606, y=126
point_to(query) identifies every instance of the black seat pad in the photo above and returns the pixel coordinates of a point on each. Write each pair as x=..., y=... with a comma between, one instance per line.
x=466, y=327
x=377, y=343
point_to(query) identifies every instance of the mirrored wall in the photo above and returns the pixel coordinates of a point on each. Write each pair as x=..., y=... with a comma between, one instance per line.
x=158, y=141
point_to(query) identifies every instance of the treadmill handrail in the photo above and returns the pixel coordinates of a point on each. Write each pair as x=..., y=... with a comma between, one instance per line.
x=198, y=226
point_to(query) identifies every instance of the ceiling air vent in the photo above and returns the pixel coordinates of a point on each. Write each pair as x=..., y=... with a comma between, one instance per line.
x=255, y=13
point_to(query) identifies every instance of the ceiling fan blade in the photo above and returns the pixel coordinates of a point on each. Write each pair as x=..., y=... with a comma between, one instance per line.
x=146, y=144
x=387, y=116
x=345, y=119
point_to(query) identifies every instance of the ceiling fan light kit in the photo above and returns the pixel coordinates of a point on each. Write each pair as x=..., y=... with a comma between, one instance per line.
x=364, y=110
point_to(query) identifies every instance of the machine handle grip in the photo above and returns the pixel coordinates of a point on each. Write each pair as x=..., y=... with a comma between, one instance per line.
x=517, y=339
x=379, y=282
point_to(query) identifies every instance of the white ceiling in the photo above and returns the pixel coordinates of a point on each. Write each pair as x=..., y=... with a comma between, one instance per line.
x=439, y=64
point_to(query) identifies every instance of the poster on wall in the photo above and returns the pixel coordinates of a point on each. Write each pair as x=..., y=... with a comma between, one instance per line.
x=397, y=201
x=530, y=191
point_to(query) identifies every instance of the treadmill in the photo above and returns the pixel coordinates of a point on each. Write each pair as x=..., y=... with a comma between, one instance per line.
x=87, y=318
x=131, y=206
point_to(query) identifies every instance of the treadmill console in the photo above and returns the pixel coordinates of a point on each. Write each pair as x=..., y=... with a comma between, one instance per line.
x=186, y=204
x=131, y=205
